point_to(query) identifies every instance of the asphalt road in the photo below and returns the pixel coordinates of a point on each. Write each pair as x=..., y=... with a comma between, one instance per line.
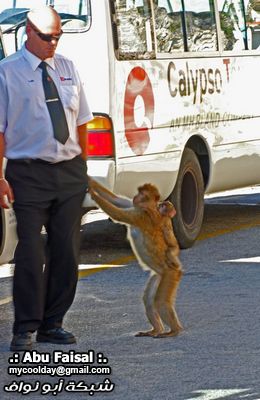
x=216, y=357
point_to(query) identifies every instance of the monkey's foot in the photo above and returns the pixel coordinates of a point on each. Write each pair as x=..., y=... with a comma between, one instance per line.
x=151, y=333
x=168, y=334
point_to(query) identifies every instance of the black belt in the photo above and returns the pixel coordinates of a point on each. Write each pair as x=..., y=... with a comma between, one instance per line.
x=38, y=161
x=30, y=161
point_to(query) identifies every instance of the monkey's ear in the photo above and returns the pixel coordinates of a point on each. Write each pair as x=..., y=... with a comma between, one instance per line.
x=171, y=209
x=172, y=213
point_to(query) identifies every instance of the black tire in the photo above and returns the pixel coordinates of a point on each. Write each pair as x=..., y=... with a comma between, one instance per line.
x=188, y=199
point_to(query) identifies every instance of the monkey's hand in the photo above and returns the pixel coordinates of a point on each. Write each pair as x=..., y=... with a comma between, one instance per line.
x=100, y=189
x=90, y=181
x=91, y=191
x=93, y=184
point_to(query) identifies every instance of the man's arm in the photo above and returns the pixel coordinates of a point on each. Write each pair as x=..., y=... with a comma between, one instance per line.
x=83, y=140
x=5, y=189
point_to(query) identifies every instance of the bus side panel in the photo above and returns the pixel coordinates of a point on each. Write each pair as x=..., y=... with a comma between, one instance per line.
x=160, y=105
x=236, y=148
x=147, y=149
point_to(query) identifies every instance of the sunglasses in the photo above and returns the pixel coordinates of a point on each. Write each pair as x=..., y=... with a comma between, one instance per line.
x=45, y=37
x=49, y=38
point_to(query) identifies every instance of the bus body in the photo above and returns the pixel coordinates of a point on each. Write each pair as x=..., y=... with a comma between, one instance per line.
x=7, y=217
x=172, y=85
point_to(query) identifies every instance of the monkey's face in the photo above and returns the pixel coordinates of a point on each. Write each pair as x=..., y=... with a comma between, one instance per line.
x=141, y=198
x=163, y=209
x=167, y=209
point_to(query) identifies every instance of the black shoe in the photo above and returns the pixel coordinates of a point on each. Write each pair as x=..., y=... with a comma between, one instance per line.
x=21, y=342
x=56, y=335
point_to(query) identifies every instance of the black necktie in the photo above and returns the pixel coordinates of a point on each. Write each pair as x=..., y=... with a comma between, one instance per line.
x=55, y=107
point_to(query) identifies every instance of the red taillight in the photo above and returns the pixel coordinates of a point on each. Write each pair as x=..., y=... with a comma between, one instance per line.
x=100, y=137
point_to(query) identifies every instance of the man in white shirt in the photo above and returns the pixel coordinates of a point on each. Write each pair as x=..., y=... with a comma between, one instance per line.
x=43, y=116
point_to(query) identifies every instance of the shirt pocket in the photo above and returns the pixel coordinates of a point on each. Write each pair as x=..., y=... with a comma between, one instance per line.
x=70, y=97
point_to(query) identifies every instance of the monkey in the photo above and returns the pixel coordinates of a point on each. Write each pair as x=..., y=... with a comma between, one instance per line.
x=146, y=236
x=167, y=210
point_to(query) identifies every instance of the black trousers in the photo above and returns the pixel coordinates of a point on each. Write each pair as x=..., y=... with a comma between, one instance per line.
x=46, y=271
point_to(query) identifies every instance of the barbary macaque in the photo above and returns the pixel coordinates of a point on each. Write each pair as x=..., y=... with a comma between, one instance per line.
x=146, y=233
x=167, y=210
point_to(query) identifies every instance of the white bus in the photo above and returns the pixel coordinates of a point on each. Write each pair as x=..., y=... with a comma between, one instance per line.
x=173, y=85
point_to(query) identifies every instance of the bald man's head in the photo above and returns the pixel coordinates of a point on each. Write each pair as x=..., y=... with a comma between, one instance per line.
x=43, y=30
x=44, y=18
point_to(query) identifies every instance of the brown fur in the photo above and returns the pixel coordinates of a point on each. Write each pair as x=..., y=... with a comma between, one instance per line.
x=167, y=210
x=154, y=244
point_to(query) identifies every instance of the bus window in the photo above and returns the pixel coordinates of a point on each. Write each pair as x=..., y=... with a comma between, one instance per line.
x=134, y=23
x=200, y=25
x=168, y=26
x=232, y=21
x=74, y=14
x=252, y=10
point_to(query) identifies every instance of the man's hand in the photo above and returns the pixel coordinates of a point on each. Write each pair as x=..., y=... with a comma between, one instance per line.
x=6, y=193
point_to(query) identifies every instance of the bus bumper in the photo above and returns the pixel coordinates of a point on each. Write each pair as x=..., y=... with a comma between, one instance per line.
x=104, y=172
x=8, y=235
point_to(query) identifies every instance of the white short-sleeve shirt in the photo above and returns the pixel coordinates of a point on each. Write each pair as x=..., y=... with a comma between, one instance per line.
x=24, y=116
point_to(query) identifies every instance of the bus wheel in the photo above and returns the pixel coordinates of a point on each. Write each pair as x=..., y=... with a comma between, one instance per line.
x=188, y=199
